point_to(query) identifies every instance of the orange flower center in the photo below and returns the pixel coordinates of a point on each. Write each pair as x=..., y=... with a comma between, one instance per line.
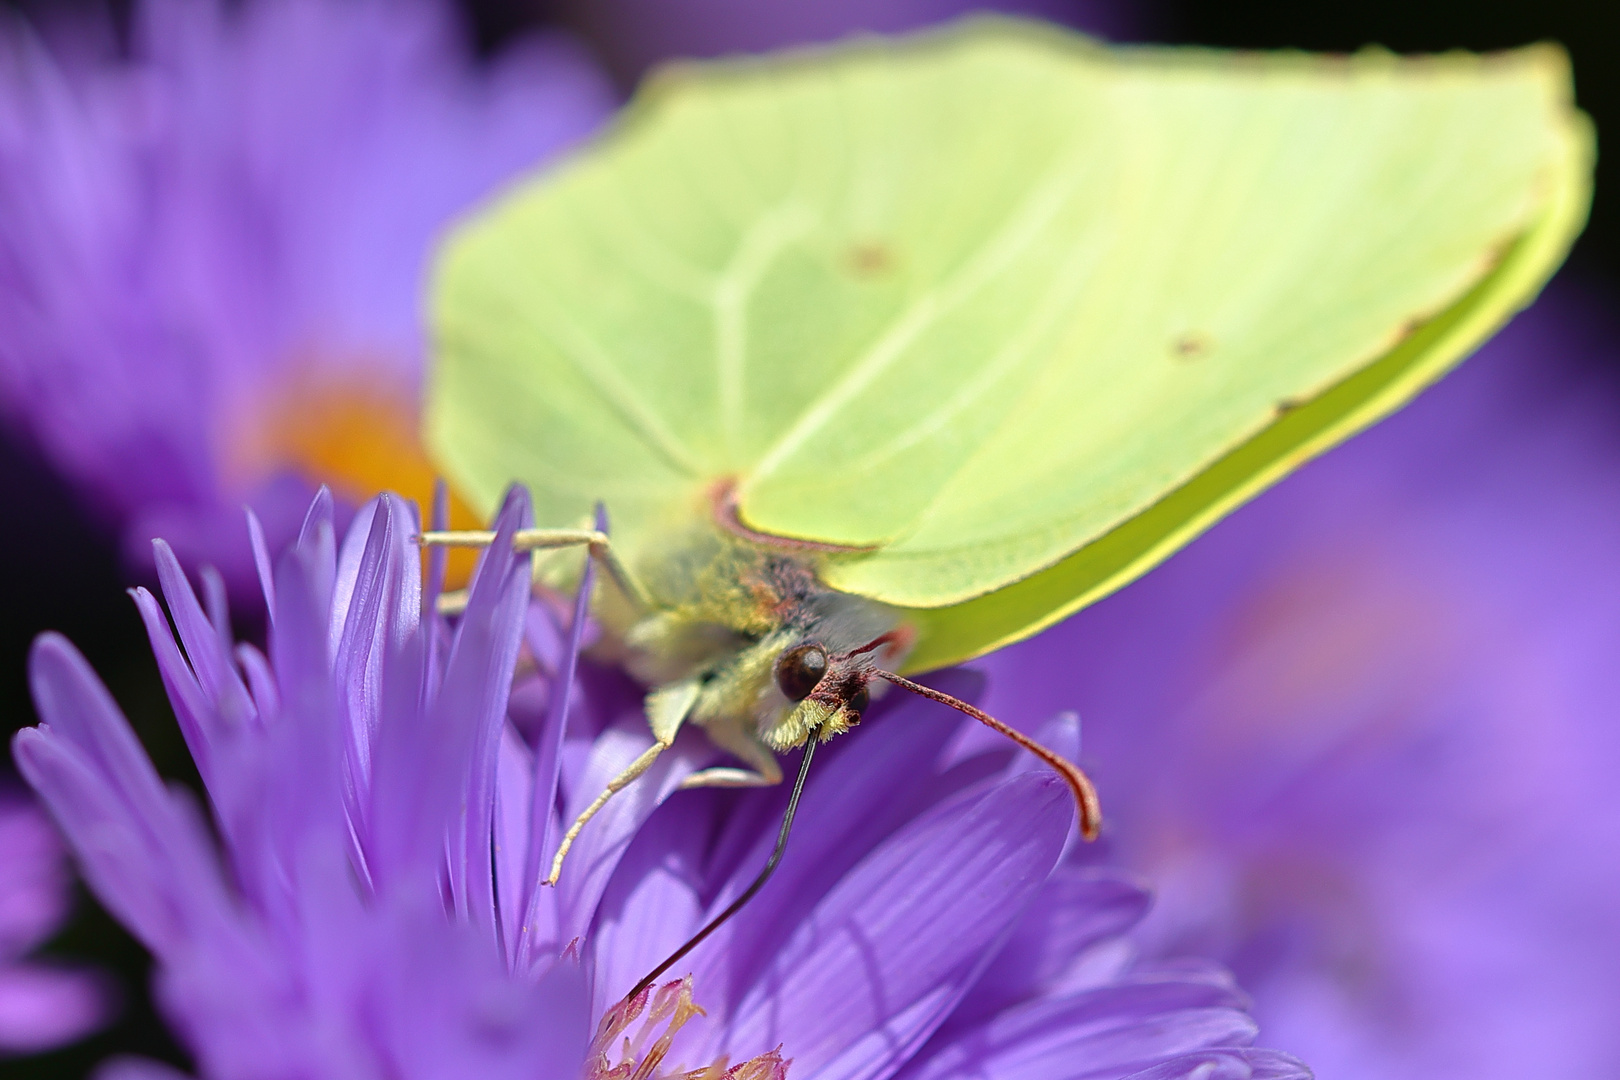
x=355, y=431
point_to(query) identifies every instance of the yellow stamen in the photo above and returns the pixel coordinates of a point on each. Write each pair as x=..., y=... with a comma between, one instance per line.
x=667, y=1008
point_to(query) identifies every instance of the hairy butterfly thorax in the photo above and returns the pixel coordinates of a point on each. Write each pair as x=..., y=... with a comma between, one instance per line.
x=766, y=654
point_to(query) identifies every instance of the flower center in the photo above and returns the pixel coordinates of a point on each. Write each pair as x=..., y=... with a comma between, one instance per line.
x=656, y=1014
x=355, y=431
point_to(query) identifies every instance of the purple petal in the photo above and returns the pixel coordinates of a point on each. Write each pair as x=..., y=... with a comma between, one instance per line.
x=261, y=681
x=1076, y=910
x=654, y=901
x=192, y=709
x=261, y=561
x=216, y=604
x=281, y=788
x=891, y=948
x=452, y=1011
x=547, y=636
x=208, y=651
x=299, y=649
x=408, y=795
x=438, y=558
x=900, y=763
x=486, y=647
x=317, y=544
x=514, y=803
x=430, y=779
x=1224, y=1064
x=76, y=710
x=135, y=1068
x=208, y=654
x=377, y=598
x=147, y=858
x=603, y=842
x=35, y=887
x=1112, y=1031
x=548, y=748
x=43, y=1007
x=357, y=540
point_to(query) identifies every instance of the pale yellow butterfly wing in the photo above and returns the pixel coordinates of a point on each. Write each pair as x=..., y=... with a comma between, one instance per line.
x=1020, y=313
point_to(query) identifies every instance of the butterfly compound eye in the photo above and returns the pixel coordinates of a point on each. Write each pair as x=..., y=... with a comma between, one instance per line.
x=799, y=669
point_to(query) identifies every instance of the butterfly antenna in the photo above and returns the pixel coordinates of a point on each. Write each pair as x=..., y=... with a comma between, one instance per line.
x=1085, y=796
x=748, y=894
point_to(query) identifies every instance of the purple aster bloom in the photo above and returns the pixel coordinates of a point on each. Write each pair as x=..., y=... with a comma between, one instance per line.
x=386, y=789
x=1362, y=735
x=213, y=242
x=42, y=1004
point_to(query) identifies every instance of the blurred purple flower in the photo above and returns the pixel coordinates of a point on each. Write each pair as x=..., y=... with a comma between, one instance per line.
x=385, y=810
x=1363, y=734
x=42, y=1004
x=213, y=244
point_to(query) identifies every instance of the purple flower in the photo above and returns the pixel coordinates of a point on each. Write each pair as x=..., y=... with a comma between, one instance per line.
x=387, y=789
x=212, y=246
x=1362, y=735
x=42, y=1004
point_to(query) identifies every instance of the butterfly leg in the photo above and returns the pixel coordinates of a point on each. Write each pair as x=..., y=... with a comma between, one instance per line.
x=616, y=785
x=667, y=709
x=599, y=545
x=743, y=745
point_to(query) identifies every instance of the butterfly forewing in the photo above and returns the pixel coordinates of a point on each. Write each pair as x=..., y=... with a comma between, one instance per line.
x=995, y=301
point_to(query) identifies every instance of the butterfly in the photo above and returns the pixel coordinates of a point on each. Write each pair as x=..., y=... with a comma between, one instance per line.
x=886, y=355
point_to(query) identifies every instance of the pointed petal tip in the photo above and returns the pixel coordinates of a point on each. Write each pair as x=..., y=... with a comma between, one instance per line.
x=322, y=513
x=171, y=575
x=515, y=502
x=68, y=695
x=124, y=1067
x=262, y=563
x=52, y=655
x=25, y=743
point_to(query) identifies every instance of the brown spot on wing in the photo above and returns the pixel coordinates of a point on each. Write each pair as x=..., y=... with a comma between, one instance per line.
x=1192, y=345
x=1400, y=334
x=870, y=258
x=1287, y=405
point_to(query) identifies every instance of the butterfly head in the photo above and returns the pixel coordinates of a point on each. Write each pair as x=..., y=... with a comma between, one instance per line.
x=827, y=691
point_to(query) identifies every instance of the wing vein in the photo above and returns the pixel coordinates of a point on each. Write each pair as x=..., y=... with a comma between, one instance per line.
x=591, y=361
x=1023, y=227
x=760, y=245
